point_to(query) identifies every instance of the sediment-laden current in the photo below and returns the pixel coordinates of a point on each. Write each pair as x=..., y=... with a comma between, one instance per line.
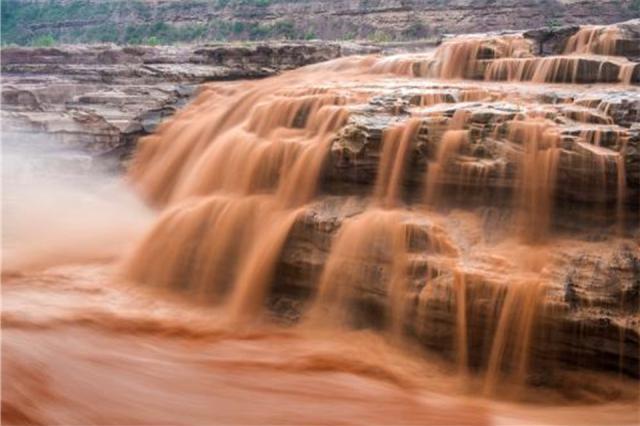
x=439, y=238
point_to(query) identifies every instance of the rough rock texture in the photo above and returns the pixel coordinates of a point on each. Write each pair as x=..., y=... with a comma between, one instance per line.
x=337, y=19
x=490, y=157
x=629, y=43
x=589, y=319
x=100, y=99
x=592, y=300
x=550, y=41
x=590, y=314
x=553, y=40
x=569, y=54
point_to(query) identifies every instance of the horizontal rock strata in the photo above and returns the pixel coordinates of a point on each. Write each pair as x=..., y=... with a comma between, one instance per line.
x=188, y=20
x=101, y=99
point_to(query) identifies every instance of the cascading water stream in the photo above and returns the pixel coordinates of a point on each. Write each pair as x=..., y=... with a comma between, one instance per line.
x=600, y=40
x=539, y=142
x=260, y=166
x=352, y=242
x=240, y=167
x=396, y=145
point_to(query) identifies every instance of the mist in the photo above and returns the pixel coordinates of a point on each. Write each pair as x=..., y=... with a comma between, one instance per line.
x=59, y=208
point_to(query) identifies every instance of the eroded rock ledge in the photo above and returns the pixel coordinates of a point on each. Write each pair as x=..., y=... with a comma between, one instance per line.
x=592, y=277
x=100, y=99
x=589, y=318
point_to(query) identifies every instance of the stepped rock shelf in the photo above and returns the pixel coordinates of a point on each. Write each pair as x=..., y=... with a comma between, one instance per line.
x=100, y=99
x=482, y=199
x=336, y=20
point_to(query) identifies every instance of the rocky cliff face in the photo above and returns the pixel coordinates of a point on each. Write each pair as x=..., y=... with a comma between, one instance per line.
x=167, y=21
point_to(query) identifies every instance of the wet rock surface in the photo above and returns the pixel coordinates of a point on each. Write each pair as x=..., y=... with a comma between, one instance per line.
x=553, y=40
x=570, y=54
x=588, y=320
x=588, y=317
x=592, y=278
x=487, y=166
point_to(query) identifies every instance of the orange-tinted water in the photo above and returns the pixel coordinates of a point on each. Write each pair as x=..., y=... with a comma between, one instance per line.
x=80, y=348
x=229, y=177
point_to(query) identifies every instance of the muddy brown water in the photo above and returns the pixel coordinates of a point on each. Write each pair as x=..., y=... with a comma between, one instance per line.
x=108, y=341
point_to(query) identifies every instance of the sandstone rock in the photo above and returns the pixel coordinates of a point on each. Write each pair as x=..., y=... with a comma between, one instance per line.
x=628, y=44
x=593, y=289
x=491, y=155
x=553, y=41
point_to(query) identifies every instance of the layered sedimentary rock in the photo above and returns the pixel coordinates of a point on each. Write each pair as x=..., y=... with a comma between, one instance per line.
x=595, y=191
x=100, y=99
x=495, y=222
x=585, y=55
x=187, y=20
x=489, y=158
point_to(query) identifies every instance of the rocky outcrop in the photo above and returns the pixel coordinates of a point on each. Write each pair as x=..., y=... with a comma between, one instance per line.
x=624, y=39
x=489, y=161
x=589, y=318
x=382, y=20
x=549, y=40
x=589, y=314
x=583, y=55
x=100, y=99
